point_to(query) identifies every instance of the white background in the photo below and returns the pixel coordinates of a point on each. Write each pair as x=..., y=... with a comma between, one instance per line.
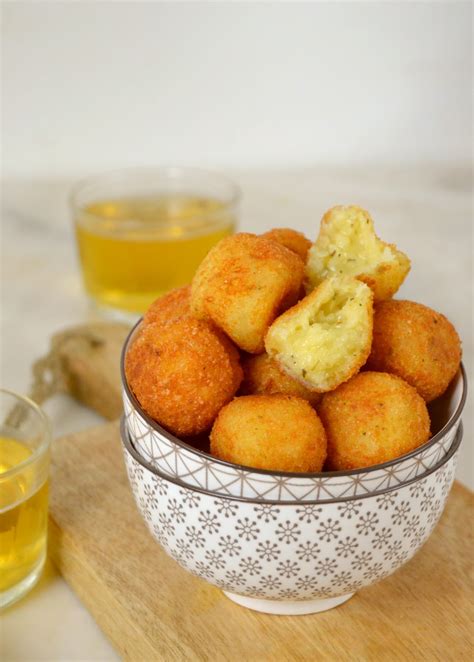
x=306, y=105
x=90, y=85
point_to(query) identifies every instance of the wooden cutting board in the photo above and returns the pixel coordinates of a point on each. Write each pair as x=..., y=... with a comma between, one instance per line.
x=151, y=609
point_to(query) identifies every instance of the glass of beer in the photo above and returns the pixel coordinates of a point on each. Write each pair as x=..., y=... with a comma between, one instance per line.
x=25, y=438
x=144, y=231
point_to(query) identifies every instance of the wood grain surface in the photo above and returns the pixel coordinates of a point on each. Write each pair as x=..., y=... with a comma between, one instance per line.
x=151, y=609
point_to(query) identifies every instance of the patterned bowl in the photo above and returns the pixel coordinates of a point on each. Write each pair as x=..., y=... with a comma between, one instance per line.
x=177, y=459
x=287, y=557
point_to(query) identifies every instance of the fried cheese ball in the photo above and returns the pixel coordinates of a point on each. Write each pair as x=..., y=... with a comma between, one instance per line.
x=263, y=376
x=373, y=418
x=292, y=239
x=169, y=307
x=182, y=373
x=417, y=344
x=242, y=284
x=347, y=244
x=326, y=337
x=274, y=432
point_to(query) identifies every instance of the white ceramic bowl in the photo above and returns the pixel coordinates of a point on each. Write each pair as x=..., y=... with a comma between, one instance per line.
x=288, y=557
x=177, y=459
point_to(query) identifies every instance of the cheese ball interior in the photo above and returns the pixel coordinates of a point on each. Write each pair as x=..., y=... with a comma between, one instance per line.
x=182, y=373
x=291, y=239
x=169, y=307
x=373, y=418
x=273, y=432
x=417, y=344
x=347, y=244
x=263, y=375
x=243, y=283
x=326, y=337
x=301, y=400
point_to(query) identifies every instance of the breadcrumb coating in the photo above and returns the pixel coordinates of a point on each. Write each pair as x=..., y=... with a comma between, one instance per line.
x=347, y=245
x=169, y=307
x=263, y=376
x=326, y=337
x=416, y=343
x=182, y=373
x=242, y=284
x=373, y=418
x=292, y=239
x=273, y=432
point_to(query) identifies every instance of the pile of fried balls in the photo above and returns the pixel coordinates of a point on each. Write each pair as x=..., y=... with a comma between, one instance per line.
x=293, y=355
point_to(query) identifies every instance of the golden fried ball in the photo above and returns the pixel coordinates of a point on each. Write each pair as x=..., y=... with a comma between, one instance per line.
x=347, y=244
x=182, y=373
x=274, y=432
x=373, y=418
x=242, y=284
x=417, y=344
x=263, y=376
x=169, y=307
x=291, y=239
x=326, y=337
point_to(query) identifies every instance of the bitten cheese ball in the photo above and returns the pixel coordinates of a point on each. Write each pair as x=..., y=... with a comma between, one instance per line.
x=242, y=284
x=169, y=307
x=182, y=373
x=291, y=239
x=417, y=344
x=326, y=337
x=347, y=245
x=274, y=432
x=373, y=418
x=263, y=376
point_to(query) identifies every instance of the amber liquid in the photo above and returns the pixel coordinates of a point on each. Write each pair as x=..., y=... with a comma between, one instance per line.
x=23, y=516
x=132, y=250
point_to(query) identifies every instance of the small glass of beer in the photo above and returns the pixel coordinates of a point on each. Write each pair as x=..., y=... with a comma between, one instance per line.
x=25, y=438
x=144, y=231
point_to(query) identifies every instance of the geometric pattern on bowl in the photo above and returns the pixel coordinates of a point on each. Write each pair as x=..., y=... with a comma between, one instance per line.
x=201, y=470
x=177, y=459
x=289, y=551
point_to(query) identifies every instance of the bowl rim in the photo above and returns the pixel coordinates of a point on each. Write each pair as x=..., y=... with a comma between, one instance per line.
x=283, y=474
x=128, y=446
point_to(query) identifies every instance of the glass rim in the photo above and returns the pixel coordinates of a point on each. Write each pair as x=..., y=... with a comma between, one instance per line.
x=165, y=172
x=46, y=436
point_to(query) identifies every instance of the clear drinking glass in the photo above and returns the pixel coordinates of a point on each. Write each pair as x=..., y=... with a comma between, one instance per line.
x=144, y=231
x=25, y=438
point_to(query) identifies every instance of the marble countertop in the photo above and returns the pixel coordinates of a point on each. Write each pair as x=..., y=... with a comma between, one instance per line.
x=426, y=211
